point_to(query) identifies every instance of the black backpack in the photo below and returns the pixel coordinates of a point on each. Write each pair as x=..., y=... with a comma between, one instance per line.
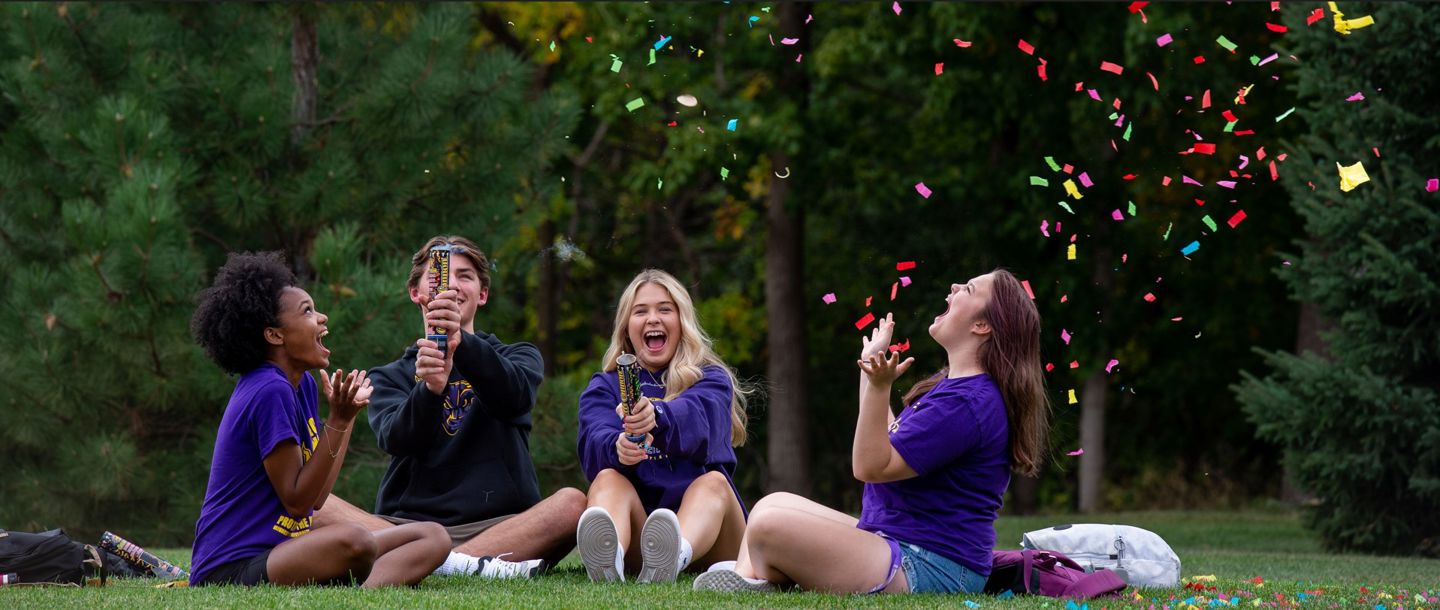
x=48, y=557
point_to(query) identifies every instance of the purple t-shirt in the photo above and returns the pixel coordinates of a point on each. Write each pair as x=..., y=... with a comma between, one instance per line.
x=242, y=515
x=957, y=439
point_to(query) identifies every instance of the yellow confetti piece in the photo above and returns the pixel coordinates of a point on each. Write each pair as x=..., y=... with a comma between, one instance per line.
x=1352, y=176
x=1072, y=396
x=1070, y=253
x=1345, y=25
x=1072, y=190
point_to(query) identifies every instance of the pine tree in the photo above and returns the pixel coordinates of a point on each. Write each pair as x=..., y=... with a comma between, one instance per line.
x=1361, y=426
x=140, y=144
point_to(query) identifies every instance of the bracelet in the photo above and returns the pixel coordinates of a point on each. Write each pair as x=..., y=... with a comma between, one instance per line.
x=327, y=425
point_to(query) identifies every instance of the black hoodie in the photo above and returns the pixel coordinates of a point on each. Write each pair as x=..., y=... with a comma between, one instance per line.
x=465, y=456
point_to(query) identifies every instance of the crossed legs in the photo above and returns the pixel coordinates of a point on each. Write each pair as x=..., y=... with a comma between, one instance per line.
x=401, y=555
x=786, y=535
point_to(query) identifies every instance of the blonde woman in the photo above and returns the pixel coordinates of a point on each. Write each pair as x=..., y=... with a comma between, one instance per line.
x=679, y=497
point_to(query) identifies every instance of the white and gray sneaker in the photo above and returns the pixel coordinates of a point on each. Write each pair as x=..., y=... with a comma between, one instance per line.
x=599, y=544
x=662, y=548
x=723, y=577
x=500, y=569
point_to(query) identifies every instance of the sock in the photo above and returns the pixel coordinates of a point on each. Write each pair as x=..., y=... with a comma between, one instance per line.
x=458, y=563
x=620, y=560
x=685, y=552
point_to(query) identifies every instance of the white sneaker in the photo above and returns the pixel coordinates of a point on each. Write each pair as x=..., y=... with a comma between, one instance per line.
x=497, y=568
x=600, y=546
x=723, y=577
x=660, y=547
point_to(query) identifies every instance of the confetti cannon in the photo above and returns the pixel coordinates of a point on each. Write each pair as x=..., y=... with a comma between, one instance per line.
x=439, y=273
x=141, y=558
x=628, y=367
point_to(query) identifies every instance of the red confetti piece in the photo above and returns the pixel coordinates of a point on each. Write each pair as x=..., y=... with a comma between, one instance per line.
x=1153, y=81
x=1149, y=297
x=1136, y=6
x=1205, y=148
x=868, y=299
x=1274, y=174
x=1026, y=47
x=1199, y=59
x=904, y=265
x=865, y=321
x=1205, y=99
x=1200, y=202
x=1074, y=364
x=1277, y=28
x=1229, y=116
x=1236, y=219
x=893, y=289
x=1040, y=69
x=1049, y=366
x=962, y=43
x=1128, y=177
x=901, y=347
x=1026, y=285
x=939, y=69
x=1111, y=68
x=1316, y=15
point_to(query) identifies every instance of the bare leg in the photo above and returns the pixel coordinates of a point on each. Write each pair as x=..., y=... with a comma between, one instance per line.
x=784, y=541
x=323, y=554
x=408, y=553
x=712, y=520
x=791, y=501
x=613, y=492
x=337, y=510
x=546, y=530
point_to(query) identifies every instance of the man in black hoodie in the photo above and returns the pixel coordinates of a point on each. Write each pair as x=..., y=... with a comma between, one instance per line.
x=457, y=427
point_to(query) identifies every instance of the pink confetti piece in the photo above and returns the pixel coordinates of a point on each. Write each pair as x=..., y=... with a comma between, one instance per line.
x=797, y=57
x=964, y=44
x=1164, y=39
x=896, y=8
x=829, y=298
x=1117, y=215
x=1111, y=365
x=1153, y=81
x=1076, y=452
x=789, y=40
x=1111, y=68
x=1149, y=297
x=1065, y=336
x=1026, y=284
x=865, y=321
x=1229, y=184
x=1074, y=364
x=1432, y=185
x=868, y=299
x=894, y=288
x=1359, y=96
x=1095, y=95
x=1272, y=57
x=1189, y=180
x=904, y=281
x=1026, y=47
x=939, y=69
x=1244, y=160
x=904, y=265
x=922, y=189
x=1085, y=179
x=1045, y=228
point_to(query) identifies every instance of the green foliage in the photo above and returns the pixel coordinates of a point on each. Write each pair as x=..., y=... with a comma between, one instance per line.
x=1360, y=425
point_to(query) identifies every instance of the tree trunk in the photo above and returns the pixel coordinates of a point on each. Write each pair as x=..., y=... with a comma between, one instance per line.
x=304, y=55
x=788, y=451
x=1092, y=439
x=546, y=307
x=1024, y=494
x=1307, y=339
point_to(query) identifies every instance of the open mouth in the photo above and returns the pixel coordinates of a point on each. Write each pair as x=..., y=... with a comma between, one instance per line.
x=320, y=341
x=655, y=341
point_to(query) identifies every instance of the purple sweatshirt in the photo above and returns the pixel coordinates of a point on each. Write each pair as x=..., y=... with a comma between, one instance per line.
x=692, y=431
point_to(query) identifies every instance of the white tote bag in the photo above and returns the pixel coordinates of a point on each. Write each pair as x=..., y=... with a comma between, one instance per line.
x=1139, y=556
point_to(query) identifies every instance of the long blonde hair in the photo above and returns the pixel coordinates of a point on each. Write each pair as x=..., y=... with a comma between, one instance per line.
x=692, y=355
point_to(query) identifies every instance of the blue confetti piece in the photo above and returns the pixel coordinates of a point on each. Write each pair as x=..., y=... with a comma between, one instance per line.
x=1006, y=595
x=970, y=604
x=663, y=40
x=1070, y=605
x=1190, y=249
x=731, y=125
x=753, y=19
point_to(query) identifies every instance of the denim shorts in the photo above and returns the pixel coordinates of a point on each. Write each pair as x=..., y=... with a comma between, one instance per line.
x=930, y=572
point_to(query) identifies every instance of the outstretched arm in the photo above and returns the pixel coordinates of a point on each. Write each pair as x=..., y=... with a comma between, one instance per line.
x=304, y=485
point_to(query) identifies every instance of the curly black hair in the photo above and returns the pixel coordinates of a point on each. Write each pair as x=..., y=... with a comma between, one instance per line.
x=232, y=315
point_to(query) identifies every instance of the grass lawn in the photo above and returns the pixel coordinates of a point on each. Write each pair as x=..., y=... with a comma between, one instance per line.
x=1236, y=548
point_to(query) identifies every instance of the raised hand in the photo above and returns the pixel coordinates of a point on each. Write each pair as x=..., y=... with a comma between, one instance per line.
x=879, y=339
x=346, y=393
x=443, y=311
x=432, y=366
x=883, y=371
x=631, y=454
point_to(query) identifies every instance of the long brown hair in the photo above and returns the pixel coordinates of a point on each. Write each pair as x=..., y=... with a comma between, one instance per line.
x=1011, y=356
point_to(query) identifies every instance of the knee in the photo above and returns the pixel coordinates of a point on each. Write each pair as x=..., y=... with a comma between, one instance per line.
x=774, y=499
x=713, y=484
x=572, y=501
x=355, y=544
x=435, y=538
x=609, y=480
x=764, y=525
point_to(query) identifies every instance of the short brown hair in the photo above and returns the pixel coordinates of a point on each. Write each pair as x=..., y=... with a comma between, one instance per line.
x=421, y=260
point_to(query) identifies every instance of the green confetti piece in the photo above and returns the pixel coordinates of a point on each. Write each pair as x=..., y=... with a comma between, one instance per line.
x=1210, y=223
x=1066, y=206
x=1166, y=236
x=1127, y=130
x=635, y=104
x=652, y=58
x=615, y=65
x=1132, y=208
x=552, y=46
x=724, y=173
x=659, y=183
x=1284, y=114
x=1114, y=115
x=1225, y=42
x=1229, y=127
x=1051, y=161
x=1038, y=181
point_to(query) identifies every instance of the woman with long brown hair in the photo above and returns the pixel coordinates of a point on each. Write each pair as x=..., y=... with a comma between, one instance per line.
x=935, y=475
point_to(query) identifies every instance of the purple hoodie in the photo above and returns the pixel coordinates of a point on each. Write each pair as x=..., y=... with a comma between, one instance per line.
x=692, y=432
